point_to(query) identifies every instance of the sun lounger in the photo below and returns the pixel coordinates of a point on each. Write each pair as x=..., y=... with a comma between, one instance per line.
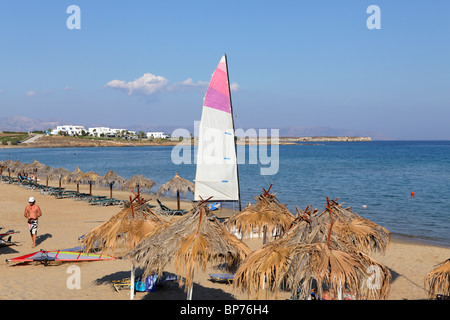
x=65, y=194
x=106, y=202
x=147, y=285
x=222, y=277
x=165, y=210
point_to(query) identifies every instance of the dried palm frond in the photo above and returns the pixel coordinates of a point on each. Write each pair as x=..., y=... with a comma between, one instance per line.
x=72, y=177
x=175, y=185
x=266, y=216
x=358, y=231
x=194, y=239
x=128, y=227
x=313, y=250
x=270, y=262
x=138, y=182
x=339, y=270
x=438, y=280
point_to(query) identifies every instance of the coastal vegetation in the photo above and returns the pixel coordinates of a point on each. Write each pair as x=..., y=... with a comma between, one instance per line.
x=12, y=138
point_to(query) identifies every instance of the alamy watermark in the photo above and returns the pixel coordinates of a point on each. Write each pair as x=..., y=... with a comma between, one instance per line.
x=74, y=280
x=74, y=20
x=218, y=147
x=374, y=20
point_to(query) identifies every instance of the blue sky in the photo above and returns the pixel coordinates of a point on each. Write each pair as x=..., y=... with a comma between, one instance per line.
x=293, y=63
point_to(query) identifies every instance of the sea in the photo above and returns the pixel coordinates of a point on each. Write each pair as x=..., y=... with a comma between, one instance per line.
x=403, y=186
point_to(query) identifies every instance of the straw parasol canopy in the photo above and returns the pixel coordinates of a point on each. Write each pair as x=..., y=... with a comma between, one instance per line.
x=138, y=182
x=35, y=166
x=177, y=185
x=110, y=179
x=311, y=253
x=267, y=216
x=54, y=174
x=90, y=177
x=193, y=240
x=437, y=280
x=128, y=227
x=15, y=167
x=6, y=164
x=73, y=177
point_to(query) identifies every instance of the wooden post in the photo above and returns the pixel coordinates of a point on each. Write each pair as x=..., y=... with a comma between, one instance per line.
x=178, y=200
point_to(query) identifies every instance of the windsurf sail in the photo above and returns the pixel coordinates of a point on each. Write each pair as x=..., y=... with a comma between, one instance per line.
x=62, y=256
x=217, y=169
x=8, y=233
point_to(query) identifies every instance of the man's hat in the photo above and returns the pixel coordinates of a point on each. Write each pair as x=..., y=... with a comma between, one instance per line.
x=31, y=199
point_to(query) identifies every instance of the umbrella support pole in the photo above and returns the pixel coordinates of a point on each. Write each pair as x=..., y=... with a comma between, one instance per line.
x=189, y=293
x=132, y=282
x=191, y=288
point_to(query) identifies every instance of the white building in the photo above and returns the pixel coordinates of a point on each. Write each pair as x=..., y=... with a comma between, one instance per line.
x=98, y=131
x=69, y=129
x=153, y=135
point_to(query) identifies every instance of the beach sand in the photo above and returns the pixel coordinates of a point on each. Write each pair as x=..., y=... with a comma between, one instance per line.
x=64, y=220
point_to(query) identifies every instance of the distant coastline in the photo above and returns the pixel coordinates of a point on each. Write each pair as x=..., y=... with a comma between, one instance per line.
x=74, y=142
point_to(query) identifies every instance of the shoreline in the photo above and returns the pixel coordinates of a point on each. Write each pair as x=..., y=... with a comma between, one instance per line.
x=73, y=142
x=222, y=213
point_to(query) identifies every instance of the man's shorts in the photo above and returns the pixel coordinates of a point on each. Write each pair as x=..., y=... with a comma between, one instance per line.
x=32, y=225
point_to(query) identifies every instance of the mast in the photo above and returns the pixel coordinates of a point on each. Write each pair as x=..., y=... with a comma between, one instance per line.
x=234, y=133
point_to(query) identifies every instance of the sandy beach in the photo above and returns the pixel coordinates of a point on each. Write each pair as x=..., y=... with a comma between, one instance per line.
x=64, y=220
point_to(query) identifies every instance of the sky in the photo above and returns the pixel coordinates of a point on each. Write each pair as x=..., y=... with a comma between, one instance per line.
x=291, y=63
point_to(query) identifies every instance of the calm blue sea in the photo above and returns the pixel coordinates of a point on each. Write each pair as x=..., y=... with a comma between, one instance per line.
x=375, y=178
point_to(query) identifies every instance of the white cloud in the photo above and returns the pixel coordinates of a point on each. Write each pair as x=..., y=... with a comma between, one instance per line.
x=234, y=86
x=67, y=88
x=148, y=84
x=30, y=93
x=187, y=84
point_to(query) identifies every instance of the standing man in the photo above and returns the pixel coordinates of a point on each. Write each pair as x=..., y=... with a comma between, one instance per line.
x=32, y=213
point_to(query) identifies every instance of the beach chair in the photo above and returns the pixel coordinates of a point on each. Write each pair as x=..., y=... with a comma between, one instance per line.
x=144, y=285
x=165, y=210
x=105, y=202
x=222, y=277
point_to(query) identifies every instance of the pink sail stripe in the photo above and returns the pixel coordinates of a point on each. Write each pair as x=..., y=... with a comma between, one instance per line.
x=219, y=82
x=217, y=100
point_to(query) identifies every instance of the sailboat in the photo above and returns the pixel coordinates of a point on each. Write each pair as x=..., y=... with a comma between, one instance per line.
x=217, y=176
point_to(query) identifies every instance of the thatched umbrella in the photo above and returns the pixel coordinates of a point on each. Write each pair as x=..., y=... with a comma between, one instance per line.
x=45, y=173
x=192, y=240
x=438, y=280
x=176, y=185
x=266, y=216
x=139, y=182
x=128, y=227
x=53, y=174
x=16, y=167
x=90, y=177
x=110, y=179
x=362, y=233
x=59, y=174
x=73, y=177
x=312, y=250
x=36, y=167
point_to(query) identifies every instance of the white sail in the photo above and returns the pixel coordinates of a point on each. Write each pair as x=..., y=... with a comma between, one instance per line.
x=217, y=174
